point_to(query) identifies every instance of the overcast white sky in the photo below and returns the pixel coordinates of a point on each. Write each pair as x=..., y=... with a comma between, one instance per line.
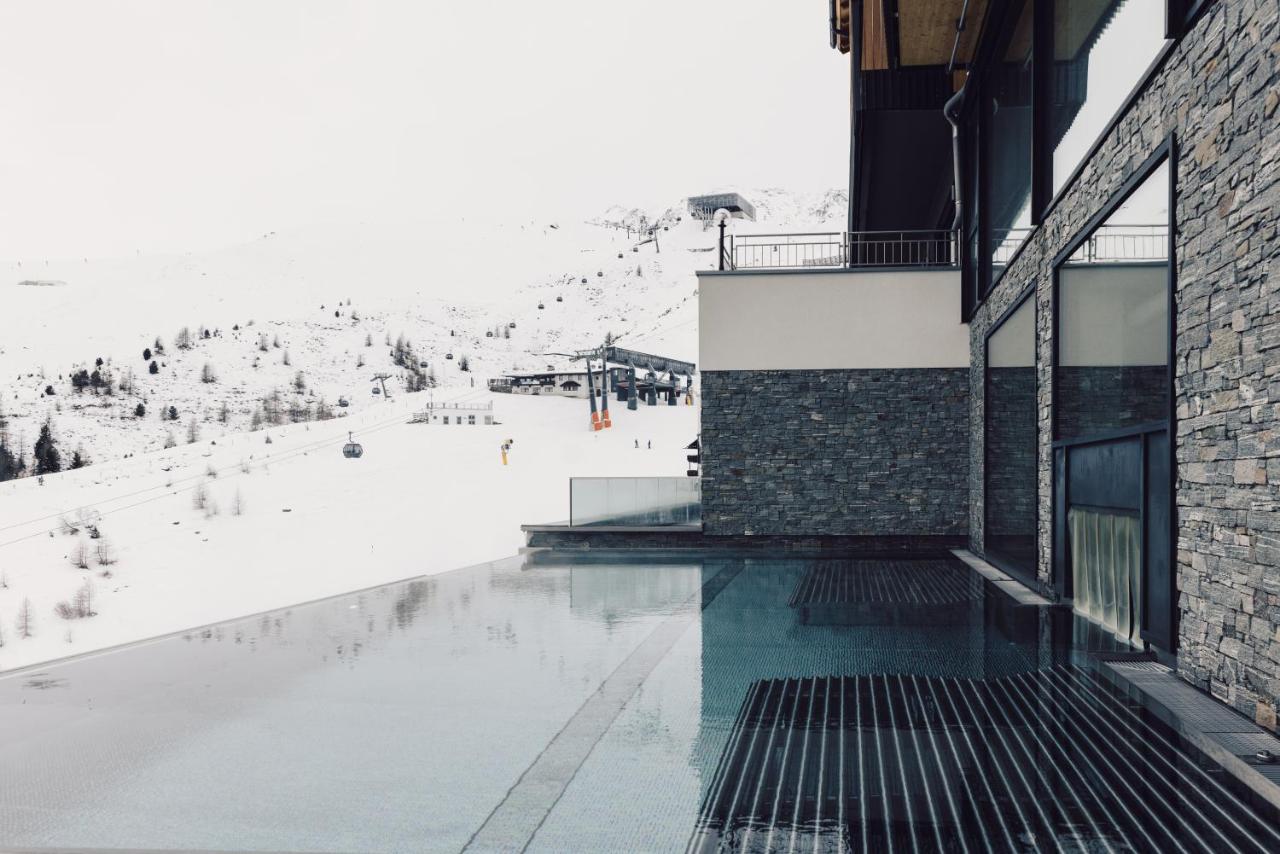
x=173, y=125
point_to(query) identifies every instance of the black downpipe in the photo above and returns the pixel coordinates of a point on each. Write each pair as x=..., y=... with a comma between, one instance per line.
x=855, y=80
x=952, y=112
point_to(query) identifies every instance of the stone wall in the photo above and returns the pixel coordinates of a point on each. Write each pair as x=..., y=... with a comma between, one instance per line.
x=1217, y=94
x=835, y=452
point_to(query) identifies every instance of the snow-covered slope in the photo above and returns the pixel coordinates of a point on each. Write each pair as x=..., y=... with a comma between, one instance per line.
x=307, y=319
x=335, y=298
x=295, y=520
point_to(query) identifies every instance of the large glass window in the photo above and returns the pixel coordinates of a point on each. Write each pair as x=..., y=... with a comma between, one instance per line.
x=1011, y=441
x=1101, y=49
x=1113, y=319
x=1008, y=104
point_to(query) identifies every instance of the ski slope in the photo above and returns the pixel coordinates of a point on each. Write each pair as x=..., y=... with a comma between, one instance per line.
x=422, y=499
x=312, y=316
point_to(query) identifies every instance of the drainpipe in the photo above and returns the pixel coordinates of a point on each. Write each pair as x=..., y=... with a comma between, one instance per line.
x=855, y=78
x=952, y=111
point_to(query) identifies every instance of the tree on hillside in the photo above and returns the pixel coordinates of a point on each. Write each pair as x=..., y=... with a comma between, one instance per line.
x=158, y=346
x=153, y=368
x=224, y=412
x=78, y=460
x=139, y=411
x=464, y=364
x=207, y=374
x=47, y=458
x=80, y=380
x=368, y=339
x=26, y=623
x=183, y=339
x=146, y=354
x=9, y=464
x=193, y=431
x=173, y=413
x=299, y=382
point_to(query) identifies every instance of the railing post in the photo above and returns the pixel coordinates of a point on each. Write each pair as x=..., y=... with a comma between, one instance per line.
x=722, y=245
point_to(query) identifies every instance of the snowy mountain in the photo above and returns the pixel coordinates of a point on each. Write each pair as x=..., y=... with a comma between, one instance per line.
x=242, y=501
x=329, y=302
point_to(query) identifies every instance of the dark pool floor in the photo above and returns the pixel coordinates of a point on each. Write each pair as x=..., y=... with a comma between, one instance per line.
x=584, y=704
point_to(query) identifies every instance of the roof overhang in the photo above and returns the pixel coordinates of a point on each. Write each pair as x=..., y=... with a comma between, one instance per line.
x=899, y=33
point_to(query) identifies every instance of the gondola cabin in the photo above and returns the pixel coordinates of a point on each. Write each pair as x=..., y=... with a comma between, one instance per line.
x=352, y=450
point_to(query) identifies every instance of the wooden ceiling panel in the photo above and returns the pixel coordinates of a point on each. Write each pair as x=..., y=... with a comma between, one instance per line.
x=875, y=48
x=927, y=30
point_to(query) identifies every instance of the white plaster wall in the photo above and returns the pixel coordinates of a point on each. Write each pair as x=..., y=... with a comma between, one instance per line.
x=834, y=320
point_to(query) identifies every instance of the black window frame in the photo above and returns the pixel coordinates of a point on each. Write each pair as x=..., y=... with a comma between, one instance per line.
x=1003, y=17
x=1180, y=17
x=1028, y=293
x=1165, y=153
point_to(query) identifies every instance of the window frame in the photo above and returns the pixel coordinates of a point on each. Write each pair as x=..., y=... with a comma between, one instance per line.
x=1171, y=40
x=1001, y=34
x=1028, y=293
x=1165, y=153
x=1180, y=17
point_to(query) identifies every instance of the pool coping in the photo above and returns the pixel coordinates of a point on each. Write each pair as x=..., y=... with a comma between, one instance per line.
x=1170, y=699
x=1173, y=701
x=1002, y=581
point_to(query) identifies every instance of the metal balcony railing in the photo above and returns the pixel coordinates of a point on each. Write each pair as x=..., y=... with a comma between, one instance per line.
x=1120, y=244
x=839, y=249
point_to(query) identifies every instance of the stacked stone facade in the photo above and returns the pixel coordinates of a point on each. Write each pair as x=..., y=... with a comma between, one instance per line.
x=1217, y=95
x=873, y=452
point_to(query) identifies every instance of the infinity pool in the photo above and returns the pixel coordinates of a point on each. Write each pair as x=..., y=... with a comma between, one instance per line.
x=564, y=704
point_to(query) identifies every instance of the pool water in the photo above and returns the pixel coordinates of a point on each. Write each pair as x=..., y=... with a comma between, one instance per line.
x=563, y=703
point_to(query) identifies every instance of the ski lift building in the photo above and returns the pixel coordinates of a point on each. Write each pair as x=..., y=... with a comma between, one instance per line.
x=703, y=207
x=556, y=382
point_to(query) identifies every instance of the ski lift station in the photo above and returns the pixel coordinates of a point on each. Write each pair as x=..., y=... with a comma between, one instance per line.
x=457, y=414
x=703, y=207
x=652, y=379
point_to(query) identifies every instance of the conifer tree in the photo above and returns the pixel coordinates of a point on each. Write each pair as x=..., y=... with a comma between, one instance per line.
x=47, y=458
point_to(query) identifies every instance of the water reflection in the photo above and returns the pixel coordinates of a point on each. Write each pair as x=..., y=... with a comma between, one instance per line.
x=398, y=718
